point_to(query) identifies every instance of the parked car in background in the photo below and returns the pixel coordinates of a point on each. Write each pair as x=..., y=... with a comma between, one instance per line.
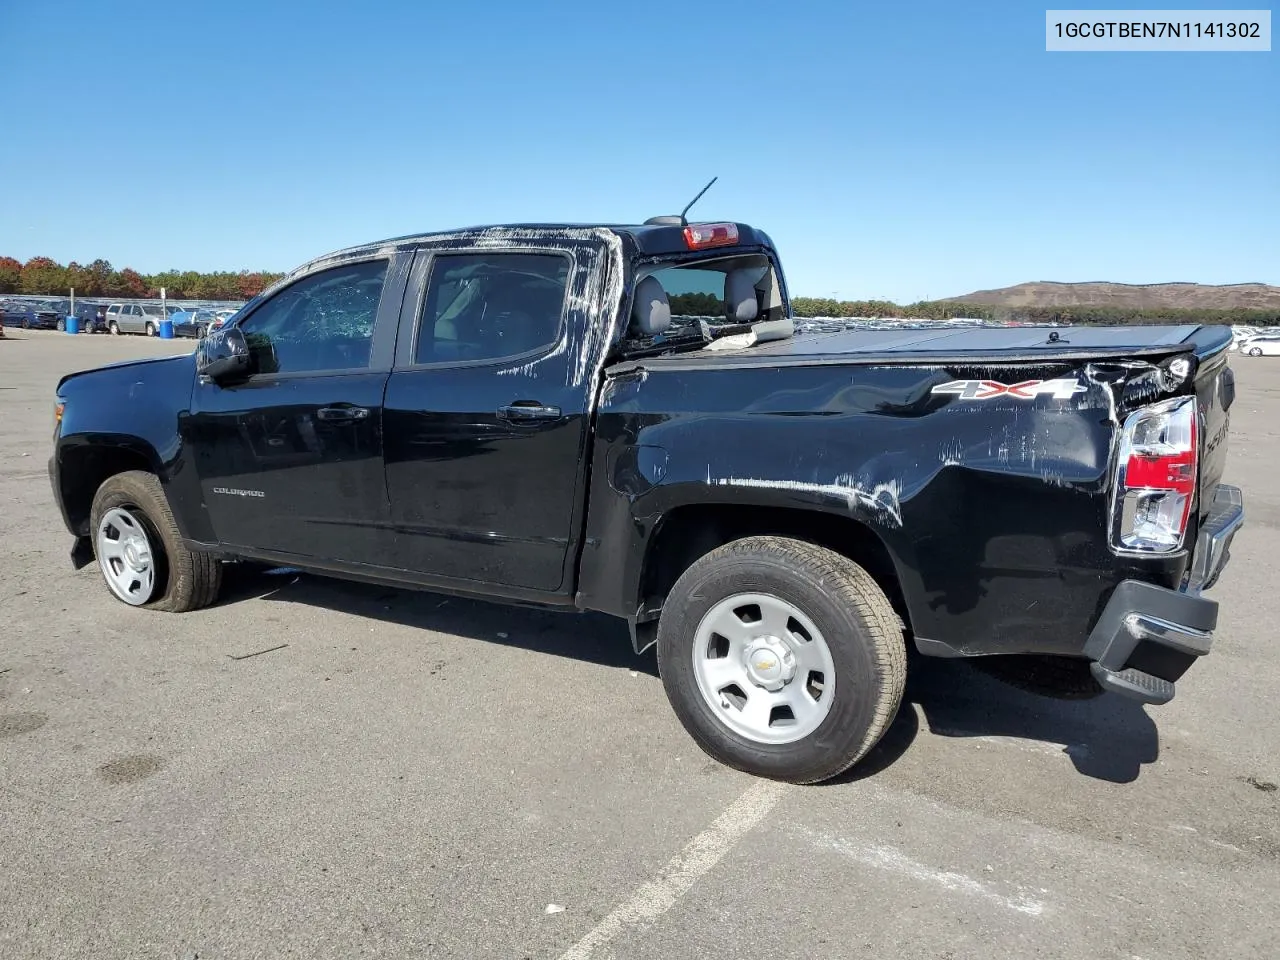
x=134, y=318
x=222, y=316
x=1263, y=345
x=1241, y=333
x=29, y=316
x=92, y=315
x=193, y=323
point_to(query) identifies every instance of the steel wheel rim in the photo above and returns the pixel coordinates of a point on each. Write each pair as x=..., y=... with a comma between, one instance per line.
x=758, y=658
x=125, y=556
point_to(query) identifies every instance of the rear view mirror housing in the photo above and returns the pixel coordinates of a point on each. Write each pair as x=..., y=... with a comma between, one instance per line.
x=223, y=356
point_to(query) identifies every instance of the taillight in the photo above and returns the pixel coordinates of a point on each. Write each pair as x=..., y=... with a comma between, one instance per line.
x=1156, y=477
x=699, y=236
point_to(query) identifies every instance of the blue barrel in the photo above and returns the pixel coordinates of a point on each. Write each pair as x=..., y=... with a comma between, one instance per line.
x=166, y=329
x=73, y=323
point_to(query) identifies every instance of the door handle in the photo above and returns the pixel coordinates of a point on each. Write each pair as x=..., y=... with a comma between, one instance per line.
x=341, y=414
x=525, y=410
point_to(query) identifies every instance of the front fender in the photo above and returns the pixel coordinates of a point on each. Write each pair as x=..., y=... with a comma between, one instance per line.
x=126, y=416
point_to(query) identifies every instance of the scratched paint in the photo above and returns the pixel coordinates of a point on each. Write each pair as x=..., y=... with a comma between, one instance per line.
x=882, y=499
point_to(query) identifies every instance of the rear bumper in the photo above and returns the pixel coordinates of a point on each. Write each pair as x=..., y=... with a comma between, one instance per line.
x=1149, y=636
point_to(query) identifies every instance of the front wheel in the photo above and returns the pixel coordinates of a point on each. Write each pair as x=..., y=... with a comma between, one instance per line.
x=781, y=658
x=151, y=329
x=114, y=328
x=62, y=326
x=1255, y=351
x=140, y=551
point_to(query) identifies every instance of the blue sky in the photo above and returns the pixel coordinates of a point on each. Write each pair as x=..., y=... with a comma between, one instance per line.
x=897, y=150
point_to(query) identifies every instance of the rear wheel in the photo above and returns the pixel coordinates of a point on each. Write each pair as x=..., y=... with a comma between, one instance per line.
x=140, y=552
x=26, y=323
x=151, y=329
x=781, y=658
x=61, y=325
x=1255, y=351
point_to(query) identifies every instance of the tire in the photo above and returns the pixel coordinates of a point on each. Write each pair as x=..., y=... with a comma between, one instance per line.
x=113, y=328
x=26, y=323
x=150, y=329
x=858, y=632
x=182, y=580
x=61, y=326
x=1255, y=351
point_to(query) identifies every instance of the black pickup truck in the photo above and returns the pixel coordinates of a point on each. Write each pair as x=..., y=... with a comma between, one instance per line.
x=624, y=419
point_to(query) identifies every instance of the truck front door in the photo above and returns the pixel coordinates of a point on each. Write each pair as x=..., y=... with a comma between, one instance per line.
x=487, y=413
x=290, y=460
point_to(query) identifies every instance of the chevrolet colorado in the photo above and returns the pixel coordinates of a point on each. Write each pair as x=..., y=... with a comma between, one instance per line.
x=623, y=419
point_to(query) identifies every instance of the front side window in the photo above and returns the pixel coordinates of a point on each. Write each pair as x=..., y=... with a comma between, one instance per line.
x=491, y=305
x=322, y=322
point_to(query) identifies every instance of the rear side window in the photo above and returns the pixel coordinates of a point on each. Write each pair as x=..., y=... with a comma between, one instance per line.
x=323, y=322
x=491, y=305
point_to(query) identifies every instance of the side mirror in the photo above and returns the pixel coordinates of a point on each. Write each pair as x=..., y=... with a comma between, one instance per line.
x=223, y=355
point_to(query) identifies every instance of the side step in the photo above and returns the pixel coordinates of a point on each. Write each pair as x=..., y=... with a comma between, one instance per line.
x=1134, y=684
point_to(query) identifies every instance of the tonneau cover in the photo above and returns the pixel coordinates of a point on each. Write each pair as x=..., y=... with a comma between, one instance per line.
x=957, y=345
x=980, y=340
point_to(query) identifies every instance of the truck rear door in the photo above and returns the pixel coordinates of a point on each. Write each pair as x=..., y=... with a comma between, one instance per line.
x=487, y=416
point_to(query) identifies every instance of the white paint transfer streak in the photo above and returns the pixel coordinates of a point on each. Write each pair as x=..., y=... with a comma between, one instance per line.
x=889, y=858
x=882, y=498
x=600, y=304
x=592, y=308
x=699, y=856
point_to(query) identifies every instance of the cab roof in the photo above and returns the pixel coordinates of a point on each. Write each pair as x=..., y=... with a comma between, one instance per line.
x=648, y=238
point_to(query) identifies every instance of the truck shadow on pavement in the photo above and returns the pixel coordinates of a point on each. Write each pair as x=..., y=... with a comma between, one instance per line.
x=1106, y=738
x=589, y=637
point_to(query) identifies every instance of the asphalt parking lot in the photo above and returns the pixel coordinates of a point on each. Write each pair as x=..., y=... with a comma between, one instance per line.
x=412, y=775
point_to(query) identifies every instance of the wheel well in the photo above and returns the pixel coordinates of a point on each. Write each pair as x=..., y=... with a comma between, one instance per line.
x=84, y=470
x=688, y=533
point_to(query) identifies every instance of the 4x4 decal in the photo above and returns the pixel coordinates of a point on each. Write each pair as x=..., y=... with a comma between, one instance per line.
x=1063, y=389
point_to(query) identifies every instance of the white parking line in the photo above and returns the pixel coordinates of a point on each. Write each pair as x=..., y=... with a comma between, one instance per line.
x=889, y=858
x=700, y=854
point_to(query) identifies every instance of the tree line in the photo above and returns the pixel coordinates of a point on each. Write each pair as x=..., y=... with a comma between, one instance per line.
x=44, y=276
x=1062, y=314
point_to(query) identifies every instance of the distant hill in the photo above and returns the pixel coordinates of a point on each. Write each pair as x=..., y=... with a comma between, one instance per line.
x=1131, y=296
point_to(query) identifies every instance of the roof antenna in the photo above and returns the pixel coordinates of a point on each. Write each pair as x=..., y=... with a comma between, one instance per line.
x=680, y=220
